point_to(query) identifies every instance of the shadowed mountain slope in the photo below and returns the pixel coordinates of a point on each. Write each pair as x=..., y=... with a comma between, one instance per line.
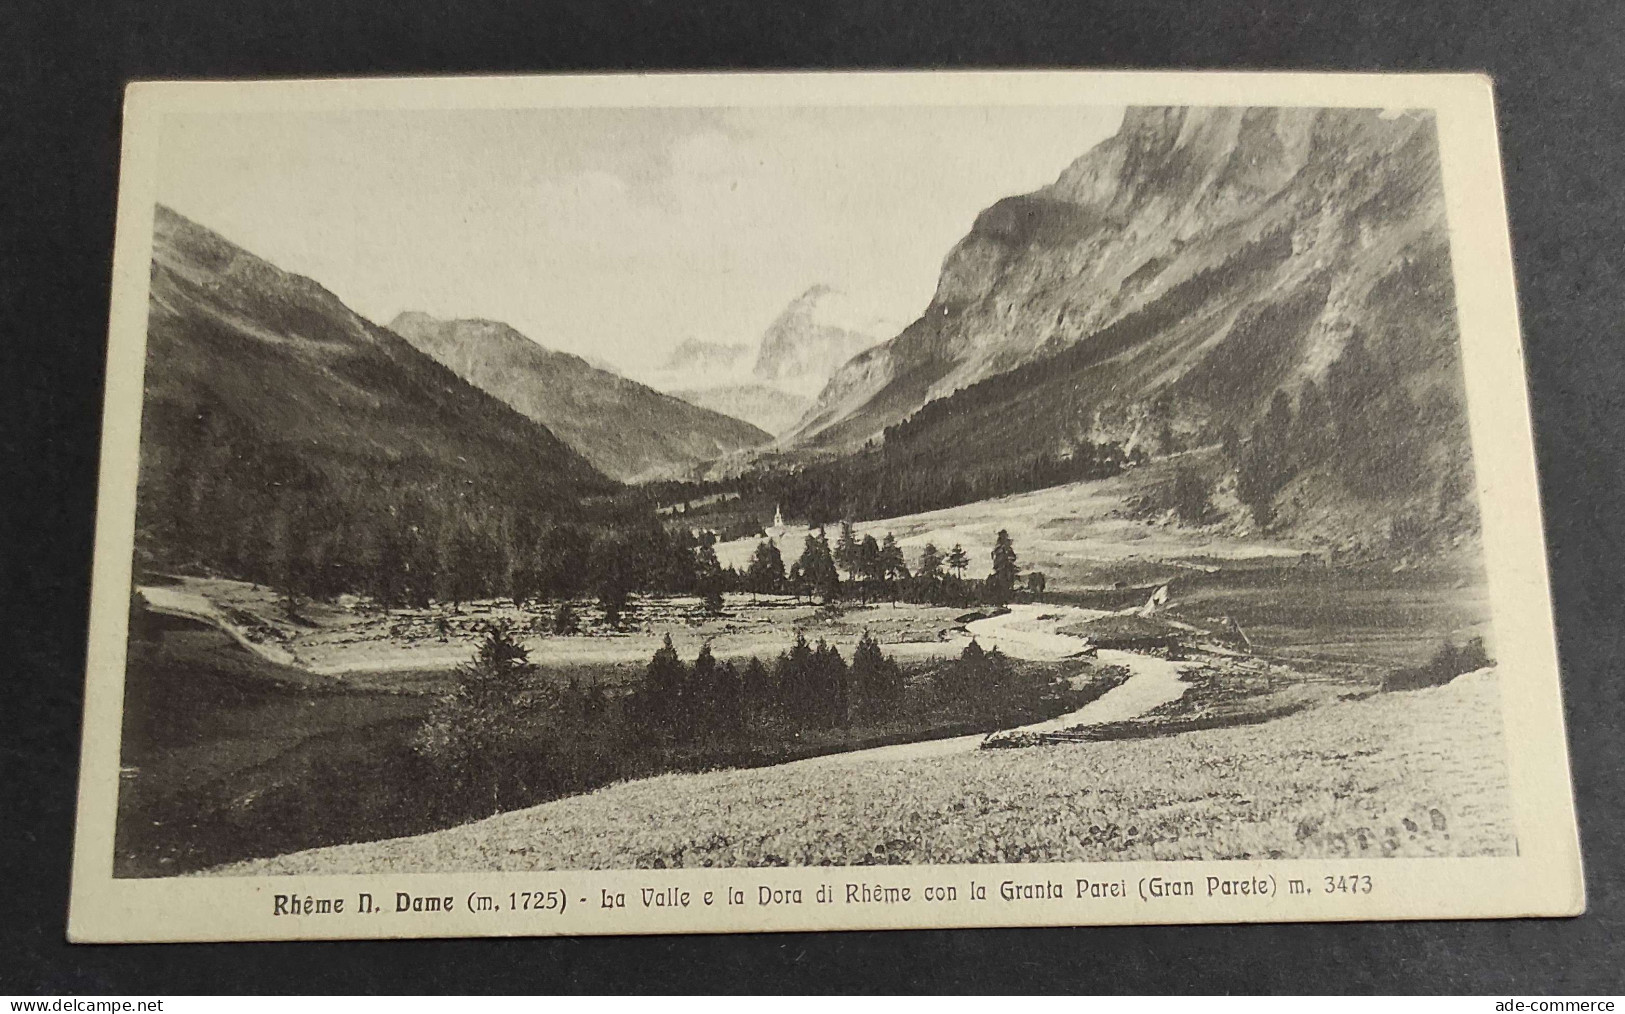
x=1194, y=246
x=1171, y=286
x=627, y=430
x=282, y=429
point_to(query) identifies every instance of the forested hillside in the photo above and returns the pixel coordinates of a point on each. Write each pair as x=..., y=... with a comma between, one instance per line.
x=287, y=440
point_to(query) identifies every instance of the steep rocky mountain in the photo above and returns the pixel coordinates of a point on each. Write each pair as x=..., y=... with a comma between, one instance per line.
x=1168, y=286
x=280, y=429
x=628, y=431
x=812, y=337
x=1183, y=227
x=771, y=384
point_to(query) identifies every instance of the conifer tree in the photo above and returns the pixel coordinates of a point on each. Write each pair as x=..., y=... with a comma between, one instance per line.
x=846, y=550
x=979, y=681
x=870, y=566
x=661, y=699
x=390, y=578
x=816, y=568
x=766, y=573
x=676, y=562
x=467, y=562
x=729, y=709
x=877, y=682
x=806, y=566
x=519, y=559
x=1190, y=496
x=829, y=579
x=971, y=653
x=956, y=684
x=828, y=690
x=614, y=575
x=756, y=692
x=930, y=568
x=892, y=566
x=958, y=560
x=1003, y=580
x=1265, y=465
x=471, y=727
x=701, y=699
x=868, y=569
x=794, y=677
x=708, y=578
x=564, y=619
x=563, y=561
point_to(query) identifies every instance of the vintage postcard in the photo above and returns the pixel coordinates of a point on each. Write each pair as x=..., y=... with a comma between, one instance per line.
x=727, y=502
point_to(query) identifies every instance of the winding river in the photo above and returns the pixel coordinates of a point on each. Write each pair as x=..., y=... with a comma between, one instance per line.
x=1032, y=632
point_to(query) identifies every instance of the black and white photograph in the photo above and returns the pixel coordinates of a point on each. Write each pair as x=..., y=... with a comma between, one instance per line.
x=1089, y=491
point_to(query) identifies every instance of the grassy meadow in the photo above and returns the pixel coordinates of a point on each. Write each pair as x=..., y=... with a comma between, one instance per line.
x=226, y=755
x=230, y=756
x=1420, y=773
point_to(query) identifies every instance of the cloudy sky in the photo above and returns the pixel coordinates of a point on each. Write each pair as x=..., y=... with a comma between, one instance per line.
x=615, y=233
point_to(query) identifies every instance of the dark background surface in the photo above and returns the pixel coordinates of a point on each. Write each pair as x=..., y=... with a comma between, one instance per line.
x=1560, y=74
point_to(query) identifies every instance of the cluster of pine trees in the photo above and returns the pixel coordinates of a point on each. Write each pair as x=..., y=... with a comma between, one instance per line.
x=984, y=683
x=402, y=538
x=217, y=496
x=529, y=561
x=876, y=569
x=561, y=563
x=501, y=737
x=406, y=539
x=808, y=687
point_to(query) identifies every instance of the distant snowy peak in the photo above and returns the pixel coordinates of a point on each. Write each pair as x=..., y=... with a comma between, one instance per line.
x=805, y=345
x=814, y=337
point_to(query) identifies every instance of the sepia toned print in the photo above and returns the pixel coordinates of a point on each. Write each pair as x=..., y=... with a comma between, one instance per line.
x=630, y=487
